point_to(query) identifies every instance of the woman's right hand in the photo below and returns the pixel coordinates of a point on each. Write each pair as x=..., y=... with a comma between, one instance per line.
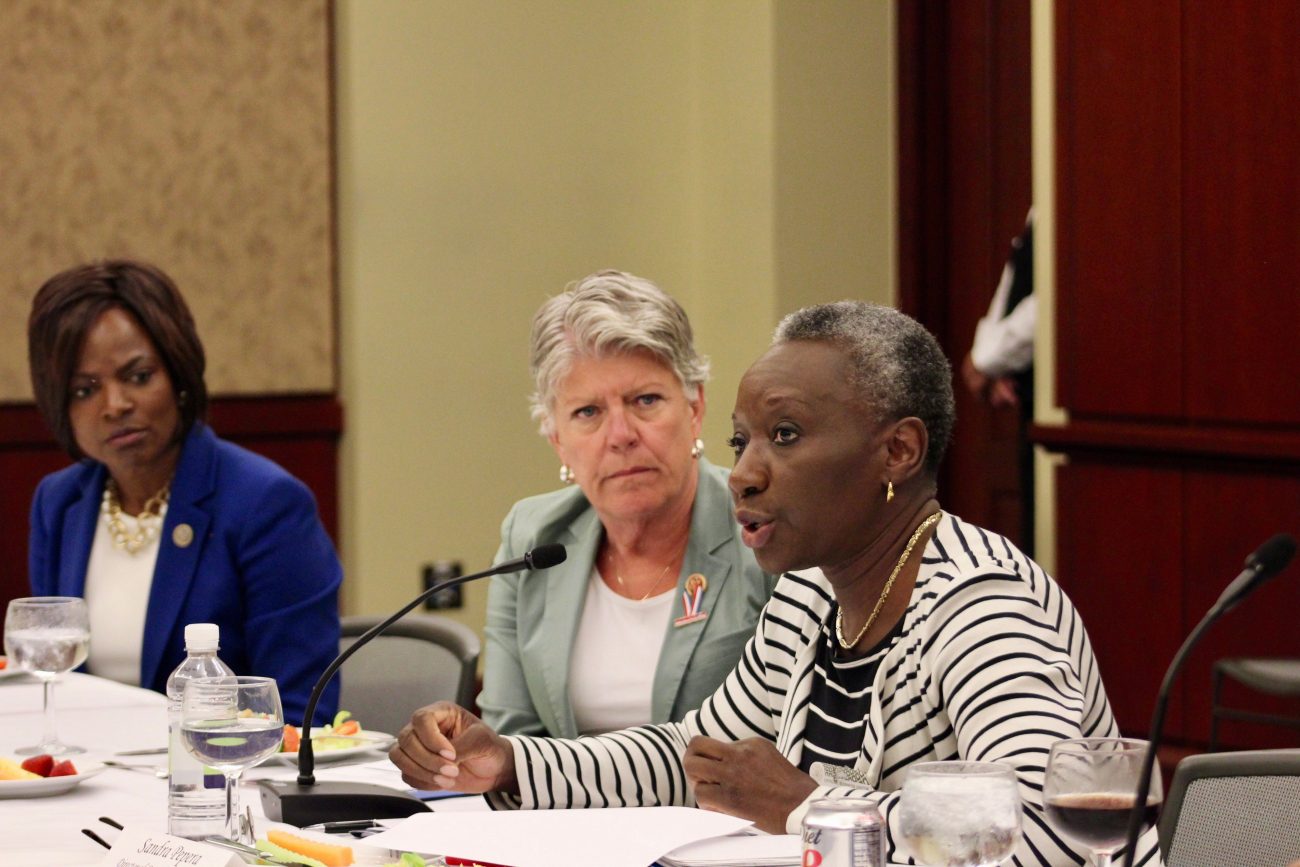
x=447, y=747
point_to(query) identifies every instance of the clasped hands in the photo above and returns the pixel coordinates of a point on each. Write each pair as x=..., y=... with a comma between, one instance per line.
x=447, y=747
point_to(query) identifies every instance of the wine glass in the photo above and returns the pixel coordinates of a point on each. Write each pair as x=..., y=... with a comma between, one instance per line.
x=960, y=814
x=231, y=724
x=48, y=635
x=1090, y=788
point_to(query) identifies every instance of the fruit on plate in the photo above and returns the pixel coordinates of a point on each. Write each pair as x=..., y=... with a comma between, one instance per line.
x=11, y=770
x=4, y=663
x=326, y=853
x=286, y=856
x=39, y=765
x=45, y=766
x=63, y=769
x=331, y=737
x=408, y=859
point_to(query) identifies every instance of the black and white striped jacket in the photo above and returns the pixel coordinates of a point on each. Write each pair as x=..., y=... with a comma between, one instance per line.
x=993, y=664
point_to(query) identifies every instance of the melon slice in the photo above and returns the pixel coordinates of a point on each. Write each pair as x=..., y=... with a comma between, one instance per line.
x=326, y=853
x=11, y=770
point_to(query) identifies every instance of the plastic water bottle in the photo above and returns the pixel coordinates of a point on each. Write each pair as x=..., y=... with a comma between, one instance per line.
x=196, y=795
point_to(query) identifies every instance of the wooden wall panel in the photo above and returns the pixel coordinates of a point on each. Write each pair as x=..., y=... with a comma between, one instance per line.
x=1118, y=251
x=1241, y=131
x=1178, y=317
x=964, y=190
x=299, y=433
x=1119, y=541
x=1228, y=514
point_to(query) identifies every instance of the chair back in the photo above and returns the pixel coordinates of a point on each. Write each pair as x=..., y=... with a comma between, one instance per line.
x=422, y=658
x=1241, y=809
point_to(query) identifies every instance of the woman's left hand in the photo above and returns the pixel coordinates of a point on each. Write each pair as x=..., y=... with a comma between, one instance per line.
x=749, y=779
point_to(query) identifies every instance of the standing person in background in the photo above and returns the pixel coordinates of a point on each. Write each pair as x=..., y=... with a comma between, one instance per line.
x=658, y=595
x=161, y=524
x=999, y=369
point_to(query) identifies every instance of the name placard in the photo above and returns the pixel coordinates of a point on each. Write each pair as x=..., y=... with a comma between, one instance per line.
x=137, y=848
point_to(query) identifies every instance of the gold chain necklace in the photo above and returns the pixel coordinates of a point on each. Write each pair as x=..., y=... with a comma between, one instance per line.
x=610, y=558
x=150, y=518
x=875, y=612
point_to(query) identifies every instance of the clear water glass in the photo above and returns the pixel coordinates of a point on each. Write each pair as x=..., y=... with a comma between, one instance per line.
x=1090, y=789
x=231, y=724
x=47, y=635
x=960, y=814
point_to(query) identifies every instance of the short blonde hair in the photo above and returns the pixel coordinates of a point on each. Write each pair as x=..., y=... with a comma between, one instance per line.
x=609, y=313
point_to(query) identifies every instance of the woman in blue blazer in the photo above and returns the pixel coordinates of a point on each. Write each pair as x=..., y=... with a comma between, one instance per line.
x=160, y=523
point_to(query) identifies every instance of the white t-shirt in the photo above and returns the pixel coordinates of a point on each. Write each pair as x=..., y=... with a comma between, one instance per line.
x=117, y=598
x=612, y=669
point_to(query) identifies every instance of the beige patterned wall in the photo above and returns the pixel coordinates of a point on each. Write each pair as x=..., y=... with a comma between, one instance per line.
x=193, y=133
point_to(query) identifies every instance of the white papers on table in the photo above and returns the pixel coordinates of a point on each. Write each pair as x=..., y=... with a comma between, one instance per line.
x=767, y=850
x=610, y=837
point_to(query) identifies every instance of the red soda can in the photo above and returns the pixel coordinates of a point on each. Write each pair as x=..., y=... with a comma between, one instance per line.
x=843, y=832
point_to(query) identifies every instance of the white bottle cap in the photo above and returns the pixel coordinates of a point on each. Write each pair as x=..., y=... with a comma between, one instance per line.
x=202, y=637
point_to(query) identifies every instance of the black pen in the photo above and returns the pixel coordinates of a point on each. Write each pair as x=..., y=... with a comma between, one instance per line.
x=344, y=827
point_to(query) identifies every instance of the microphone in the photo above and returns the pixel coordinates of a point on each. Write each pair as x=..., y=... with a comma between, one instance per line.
x=306, y=802
x=1268, y=560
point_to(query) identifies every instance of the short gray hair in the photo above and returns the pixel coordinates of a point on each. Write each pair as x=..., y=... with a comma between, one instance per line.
x=609, y=313
x=898, y=368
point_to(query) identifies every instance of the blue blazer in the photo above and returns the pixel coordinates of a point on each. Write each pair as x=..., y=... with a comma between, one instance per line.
x=259, y=565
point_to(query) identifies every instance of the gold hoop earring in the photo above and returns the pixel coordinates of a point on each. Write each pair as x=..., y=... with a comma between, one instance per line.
x=697, y=448
x=566, y=474
x=889, y=492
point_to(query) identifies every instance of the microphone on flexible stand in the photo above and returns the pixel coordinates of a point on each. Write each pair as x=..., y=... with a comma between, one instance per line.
x=307, y=802
x=1268, y=560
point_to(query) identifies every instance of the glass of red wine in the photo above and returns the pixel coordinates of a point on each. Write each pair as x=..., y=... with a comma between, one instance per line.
x=1090, y=788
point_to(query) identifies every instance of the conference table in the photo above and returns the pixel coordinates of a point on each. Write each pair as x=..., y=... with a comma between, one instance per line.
x=107, y=718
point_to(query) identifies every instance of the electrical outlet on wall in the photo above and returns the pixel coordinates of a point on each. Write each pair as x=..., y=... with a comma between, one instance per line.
x=437, y=573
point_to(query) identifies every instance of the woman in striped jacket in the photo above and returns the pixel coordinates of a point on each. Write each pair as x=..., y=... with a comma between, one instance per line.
x=908, y=636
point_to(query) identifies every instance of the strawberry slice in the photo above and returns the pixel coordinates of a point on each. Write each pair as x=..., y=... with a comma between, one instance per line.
x=39, y=765
x=63, y=769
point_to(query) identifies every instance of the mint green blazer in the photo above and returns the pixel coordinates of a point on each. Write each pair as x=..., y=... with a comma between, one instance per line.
x=532, y=617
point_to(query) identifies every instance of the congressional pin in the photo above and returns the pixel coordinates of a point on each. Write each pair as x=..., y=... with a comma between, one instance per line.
x=692, y=596
x=183, y=535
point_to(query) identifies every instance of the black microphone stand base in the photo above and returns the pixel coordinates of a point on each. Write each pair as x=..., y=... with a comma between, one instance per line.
x=286, y=801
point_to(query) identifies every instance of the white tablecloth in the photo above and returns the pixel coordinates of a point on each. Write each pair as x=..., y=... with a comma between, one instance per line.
x=105, y=718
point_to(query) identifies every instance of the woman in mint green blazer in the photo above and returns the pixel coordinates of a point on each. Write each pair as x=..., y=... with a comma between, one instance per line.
x=658, y=596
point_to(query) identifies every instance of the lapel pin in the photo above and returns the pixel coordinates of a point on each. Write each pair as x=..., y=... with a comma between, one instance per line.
x=183, y=535
x=692, y=596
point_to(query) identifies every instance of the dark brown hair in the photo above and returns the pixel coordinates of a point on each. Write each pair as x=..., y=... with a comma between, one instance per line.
x=71, y=301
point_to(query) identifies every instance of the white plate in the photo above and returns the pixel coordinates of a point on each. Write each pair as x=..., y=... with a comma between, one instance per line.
x=327, y=756
x=12, y=671
x=47, y=786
